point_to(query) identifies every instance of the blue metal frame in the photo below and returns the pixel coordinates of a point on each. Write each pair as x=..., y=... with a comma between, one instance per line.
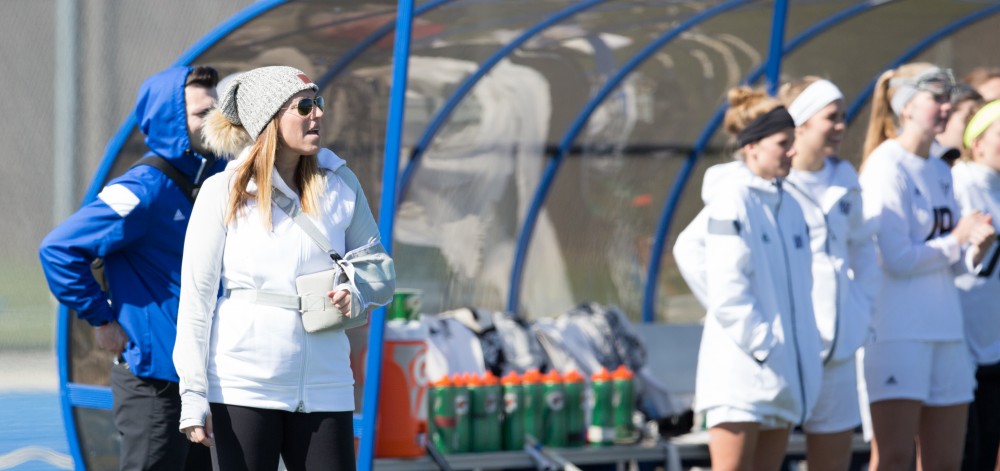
x=71, y=394
x=524, y=237
x=917, y=49
x=466, y=86
x=774, y=55
x=673, y=199
x=366, y=43
x=387, y=213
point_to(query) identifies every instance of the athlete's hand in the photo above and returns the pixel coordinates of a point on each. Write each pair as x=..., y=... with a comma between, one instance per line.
x=969, y=224
x=981, y=237
x=341, y=299
x=111, y=337
x=199, y=434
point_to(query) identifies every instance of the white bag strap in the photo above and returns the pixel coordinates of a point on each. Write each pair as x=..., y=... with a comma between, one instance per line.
x=295, y=212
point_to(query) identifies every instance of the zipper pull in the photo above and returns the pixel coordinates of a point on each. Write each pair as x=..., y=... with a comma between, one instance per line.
x=301, y=407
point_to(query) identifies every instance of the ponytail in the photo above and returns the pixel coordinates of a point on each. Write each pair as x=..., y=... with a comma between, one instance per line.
x=881, y=125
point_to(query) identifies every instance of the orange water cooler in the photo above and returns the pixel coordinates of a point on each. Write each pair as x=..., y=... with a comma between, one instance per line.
x=402, y=415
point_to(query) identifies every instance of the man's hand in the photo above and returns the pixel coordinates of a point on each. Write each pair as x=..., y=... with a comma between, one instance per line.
x=198, y=434
x=341, y=299
x=111, y=337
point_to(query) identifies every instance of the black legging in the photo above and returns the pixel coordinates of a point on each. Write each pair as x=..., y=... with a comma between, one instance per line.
x=252, y=439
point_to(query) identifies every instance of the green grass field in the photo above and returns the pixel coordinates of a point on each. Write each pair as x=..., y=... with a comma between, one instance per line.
x=27, y=312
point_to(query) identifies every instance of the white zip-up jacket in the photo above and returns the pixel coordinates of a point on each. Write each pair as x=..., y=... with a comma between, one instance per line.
x=242, y=353
x=846, y=276
x=760, y=347
x=977, y=187
x=912, y=199
x=845, y=269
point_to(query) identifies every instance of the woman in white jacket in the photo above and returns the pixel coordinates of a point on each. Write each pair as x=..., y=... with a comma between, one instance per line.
x=246, y=363
x=759, y=364
x=917, y=368
x=977, y=187
x=845, y=265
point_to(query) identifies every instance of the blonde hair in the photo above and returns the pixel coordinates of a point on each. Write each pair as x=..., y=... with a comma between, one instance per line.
x=258, y=166
x=882, y=123
x=745, y=105
x=981, y=75
x=791, y=90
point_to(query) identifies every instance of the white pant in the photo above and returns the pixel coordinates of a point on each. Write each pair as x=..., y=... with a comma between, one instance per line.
x=837, y=408
x=937, y=373
x=724, y=414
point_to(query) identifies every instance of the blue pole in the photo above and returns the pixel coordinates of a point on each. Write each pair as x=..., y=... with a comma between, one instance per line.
x=774, y=54
x=524, y=237
x=467, y=85
x=918, y=48
x=673, y=199
x=387, y=212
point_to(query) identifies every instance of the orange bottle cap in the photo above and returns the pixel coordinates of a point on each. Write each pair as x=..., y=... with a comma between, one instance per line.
x=473, y=381
x=552, y=377
x=572, y=376
x=512, y=379
x=444, y=382
x=601, y=375
x=622, y=373
x=490, y=379
x=532, y=376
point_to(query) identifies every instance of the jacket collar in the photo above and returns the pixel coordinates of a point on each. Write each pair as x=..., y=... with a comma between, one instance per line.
x=326, y=158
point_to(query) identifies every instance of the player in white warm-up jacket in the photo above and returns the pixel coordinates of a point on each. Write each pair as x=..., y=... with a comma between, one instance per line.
x=759, y=364
x=845, y=269
x=917, y=368
x=977, y=187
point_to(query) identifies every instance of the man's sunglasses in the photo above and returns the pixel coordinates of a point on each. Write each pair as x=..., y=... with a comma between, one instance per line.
x=305, y=105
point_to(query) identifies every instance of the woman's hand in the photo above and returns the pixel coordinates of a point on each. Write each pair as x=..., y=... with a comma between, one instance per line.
x=199, y=434
x=341, y=299
x=981, y=237
x=969, y=224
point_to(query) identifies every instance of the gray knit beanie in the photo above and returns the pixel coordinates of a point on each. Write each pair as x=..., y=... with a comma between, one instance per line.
x=255, y=96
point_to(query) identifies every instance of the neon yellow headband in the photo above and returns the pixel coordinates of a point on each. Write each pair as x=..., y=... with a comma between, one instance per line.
x=982, y=120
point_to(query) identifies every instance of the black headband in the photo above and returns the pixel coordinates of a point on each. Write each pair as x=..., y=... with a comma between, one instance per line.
x=765, y=125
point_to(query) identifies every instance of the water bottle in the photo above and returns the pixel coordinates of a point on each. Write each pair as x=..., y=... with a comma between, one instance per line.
x=534, y=402
x=623, y=402
x=513, y=412
x=575, y=409
x=554, y=412
x=462, y=438
x=601, y=430
x=441, y=414
x=493, y=411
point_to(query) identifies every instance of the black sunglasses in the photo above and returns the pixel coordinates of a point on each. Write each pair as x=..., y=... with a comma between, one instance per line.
x=305, y=105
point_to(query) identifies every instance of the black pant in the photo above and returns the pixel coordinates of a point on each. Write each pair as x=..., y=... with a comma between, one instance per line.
x=247, y=438
x=147, y=413
x=982, y=436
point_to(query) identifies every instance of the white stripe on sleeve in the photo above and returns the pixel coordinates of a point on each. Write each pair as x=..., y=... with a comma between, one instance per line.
x=120, y=199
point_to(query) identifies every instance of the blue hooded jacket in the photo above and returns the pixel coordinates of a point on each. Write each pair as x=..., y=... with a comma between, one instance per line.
x=137, y=224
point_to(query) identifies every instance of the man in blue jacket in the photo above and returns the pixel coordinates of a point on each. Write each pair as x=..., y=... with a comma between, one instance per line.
x=137, y=225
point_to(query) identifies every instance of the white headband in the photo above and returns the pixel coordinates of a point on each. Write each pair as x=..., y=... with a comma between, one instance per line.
x=817, y=95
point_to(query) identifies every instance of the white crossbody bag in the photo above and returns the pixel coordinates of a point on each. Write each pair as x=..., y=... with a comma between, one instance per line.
x=318, y=311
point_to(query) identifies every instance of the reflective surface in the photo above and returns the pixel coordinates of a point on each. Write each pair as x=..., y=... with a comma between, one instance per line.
x=458, y=219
